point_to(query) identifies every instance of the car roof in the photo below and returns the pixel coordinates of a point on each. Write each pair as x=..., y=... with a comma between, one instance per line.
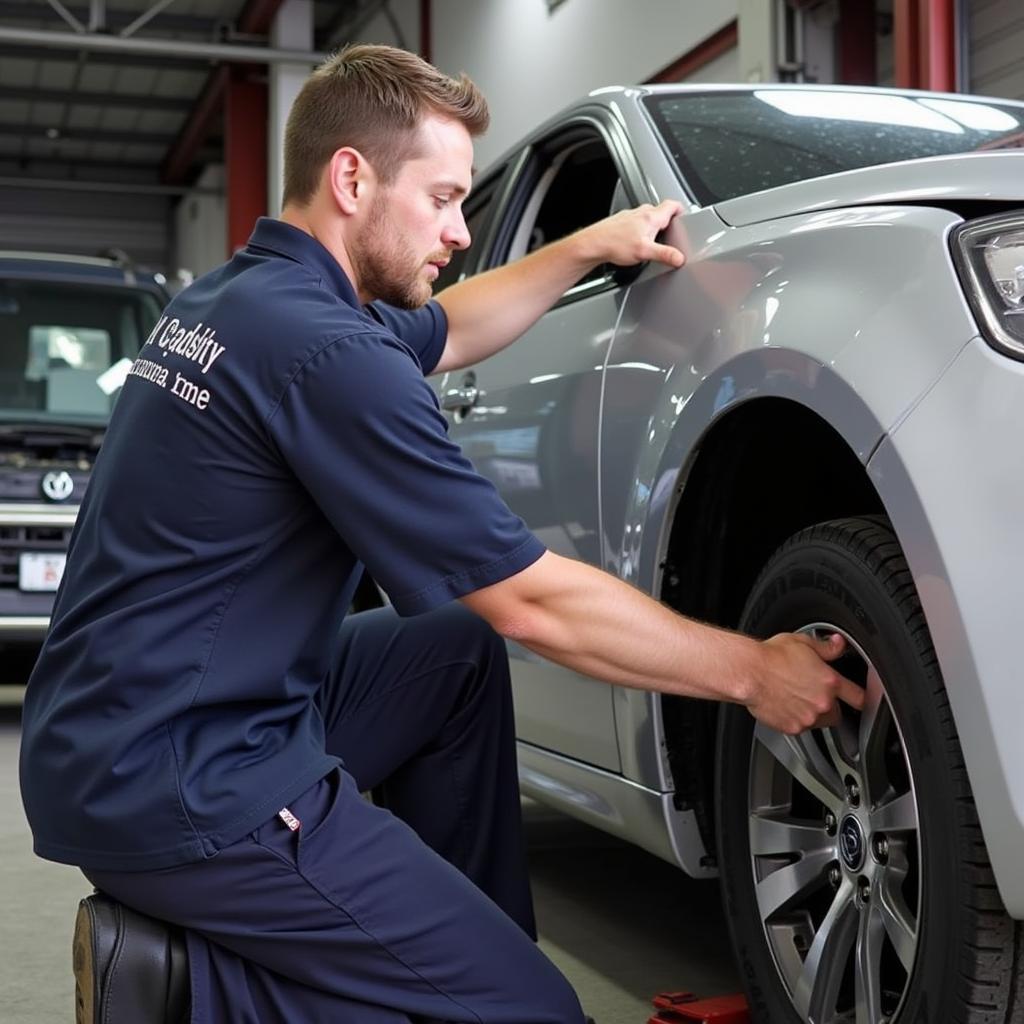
x=71, y=267
x=684, y=88
x=613, y=96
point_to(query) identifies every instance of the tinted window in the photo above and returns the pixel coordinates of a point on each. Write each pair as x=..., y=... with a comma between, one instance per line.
x=580, y=194
x=730, y=144
x=575, y=189
x=65, y=348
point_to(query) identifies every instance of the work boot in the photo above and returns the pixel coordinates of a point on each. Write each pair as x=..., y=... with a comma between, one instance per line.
x=129, y=968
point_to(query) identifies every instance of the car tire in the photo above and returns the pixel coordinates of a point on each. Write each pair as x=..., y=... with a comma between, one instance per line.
x=855, y=878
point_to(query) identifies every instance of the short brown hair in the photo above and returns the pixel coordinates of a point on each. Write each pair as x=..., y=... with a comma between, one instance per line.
x=371, y=98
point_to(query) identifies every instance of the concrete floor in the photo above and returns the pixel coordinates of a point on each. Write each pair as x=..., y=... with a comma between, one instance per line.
x=620, y=923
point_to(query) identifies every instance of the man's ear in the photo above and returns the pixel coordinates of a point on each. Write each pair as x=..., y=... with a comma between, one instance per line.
x=349, y=175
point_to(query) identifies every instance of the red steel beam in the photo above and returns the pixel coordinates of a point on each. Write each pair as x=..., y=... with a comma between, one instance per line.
x=941, y=46
x=906, y=44
x=924, y=33
x=245, y=155
x=857, y=47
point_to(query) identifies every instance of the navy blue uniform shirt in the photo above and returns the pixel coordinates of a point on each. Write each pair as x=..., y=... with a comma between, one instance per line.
x=272, y=435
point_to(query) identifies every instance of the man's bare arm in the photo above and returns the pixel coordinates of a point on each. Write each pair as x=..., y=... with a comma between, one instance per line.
x=489, y=311
x=590, y=621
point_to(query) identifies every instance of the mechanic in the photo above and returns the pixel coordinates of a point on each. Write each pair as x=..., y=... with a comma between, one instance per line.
x=201, y=721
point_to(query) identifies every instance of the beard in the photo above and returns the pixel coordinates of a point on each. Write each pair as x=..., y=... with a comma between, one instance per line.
x=386, y=265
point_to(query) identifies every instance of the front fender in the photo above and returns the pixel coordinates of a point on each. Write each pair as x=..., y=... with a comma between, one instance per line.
x=852, y=314
x=950, y=479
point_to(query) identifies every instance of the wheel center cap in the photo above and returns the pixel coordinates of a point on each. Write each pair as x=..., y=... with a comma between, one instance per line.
x=851, y=843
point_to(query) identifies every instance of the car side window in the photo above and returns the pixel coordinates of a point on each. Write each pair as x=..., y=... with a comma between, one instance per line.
x=478, y=207
x=575, y=188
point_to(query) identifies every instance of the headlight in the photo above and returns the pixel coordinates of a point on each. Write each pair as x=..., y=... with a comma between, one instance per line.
x=989, y=254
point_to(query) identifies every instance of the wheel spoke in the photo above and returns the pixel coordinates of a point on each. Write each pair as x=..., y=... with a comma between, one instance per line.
x=772, y=836
x=836, y=740
x=900, y=924
x=817, y=988
x=867, y=973
x=874, y=696
x=896, y=815
x=784, y=885
x=874, y=725
x=802, y=758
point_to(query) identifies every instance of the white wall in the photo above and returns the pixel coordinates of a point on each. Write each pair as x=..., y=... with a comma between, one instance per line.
x=530, y=63
x=292, y=29
x=200, y=226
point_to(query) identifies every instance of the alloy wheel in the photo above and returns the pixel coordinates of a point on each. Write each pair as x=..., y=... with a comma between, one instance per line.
x=836, y=856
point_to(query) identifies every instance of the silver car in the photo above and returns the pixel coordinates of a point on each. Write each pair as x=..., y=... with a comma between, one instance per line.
x=811, y=426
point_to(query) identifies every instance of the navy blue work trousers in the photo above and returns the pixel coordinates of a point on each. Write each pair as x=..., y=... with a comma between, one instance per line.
x=418, y=909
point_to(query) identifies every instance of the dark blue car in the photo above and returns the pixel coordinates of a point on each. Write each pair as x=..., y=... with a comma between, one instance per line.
x=70, y=327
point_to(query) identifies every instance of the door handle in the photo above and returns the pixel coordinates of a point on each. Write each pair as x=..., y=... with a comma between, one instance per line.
x=461, y=399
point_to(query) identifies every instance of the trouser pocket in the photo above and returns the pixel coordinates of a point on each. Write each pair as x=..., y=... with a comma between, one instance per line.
x=290, y=828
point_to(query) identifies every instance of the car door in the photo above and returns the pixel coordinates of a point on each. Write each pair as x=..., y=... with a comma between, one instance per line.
x=528, y=417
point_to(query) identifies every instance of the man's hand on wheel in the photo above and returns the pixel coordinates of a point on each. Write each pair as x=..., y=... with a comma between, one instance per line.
x=795, y=687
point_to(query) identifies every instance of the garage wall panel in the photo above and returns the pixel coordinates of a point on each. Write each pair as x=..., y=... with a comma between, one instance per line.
x=531, y=62
x=85, y=223
x=996, y=44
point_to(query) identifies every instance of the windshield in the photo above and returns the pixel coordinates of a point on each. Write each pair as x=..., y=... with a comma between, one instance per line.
x=729, y=144
x=65, y=348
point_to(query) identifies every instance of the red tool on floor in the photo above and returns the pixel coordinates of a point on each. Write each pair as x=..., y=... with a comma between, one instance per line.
x=684, y=1007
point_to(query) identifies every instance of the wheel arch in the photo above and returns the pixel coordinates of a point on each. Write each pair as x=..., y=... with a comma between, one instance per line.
x=716, y=547
x=739, y=502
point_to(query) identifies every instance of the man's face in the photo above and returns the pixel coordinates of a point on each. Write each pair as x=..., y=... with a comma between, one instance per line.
x=415, y=223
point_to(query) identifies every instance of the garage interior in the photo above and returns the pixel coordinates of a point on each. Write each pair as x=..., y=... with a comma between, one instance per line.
x=150, y=132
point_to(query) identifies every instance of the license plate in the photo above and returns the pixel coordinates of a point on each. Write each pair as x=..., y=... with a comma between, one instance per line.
x=40, y=571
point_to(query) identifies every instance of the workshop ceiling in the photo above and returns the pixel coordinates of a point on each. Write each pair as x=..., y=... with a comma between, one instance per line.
x=117, y=115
